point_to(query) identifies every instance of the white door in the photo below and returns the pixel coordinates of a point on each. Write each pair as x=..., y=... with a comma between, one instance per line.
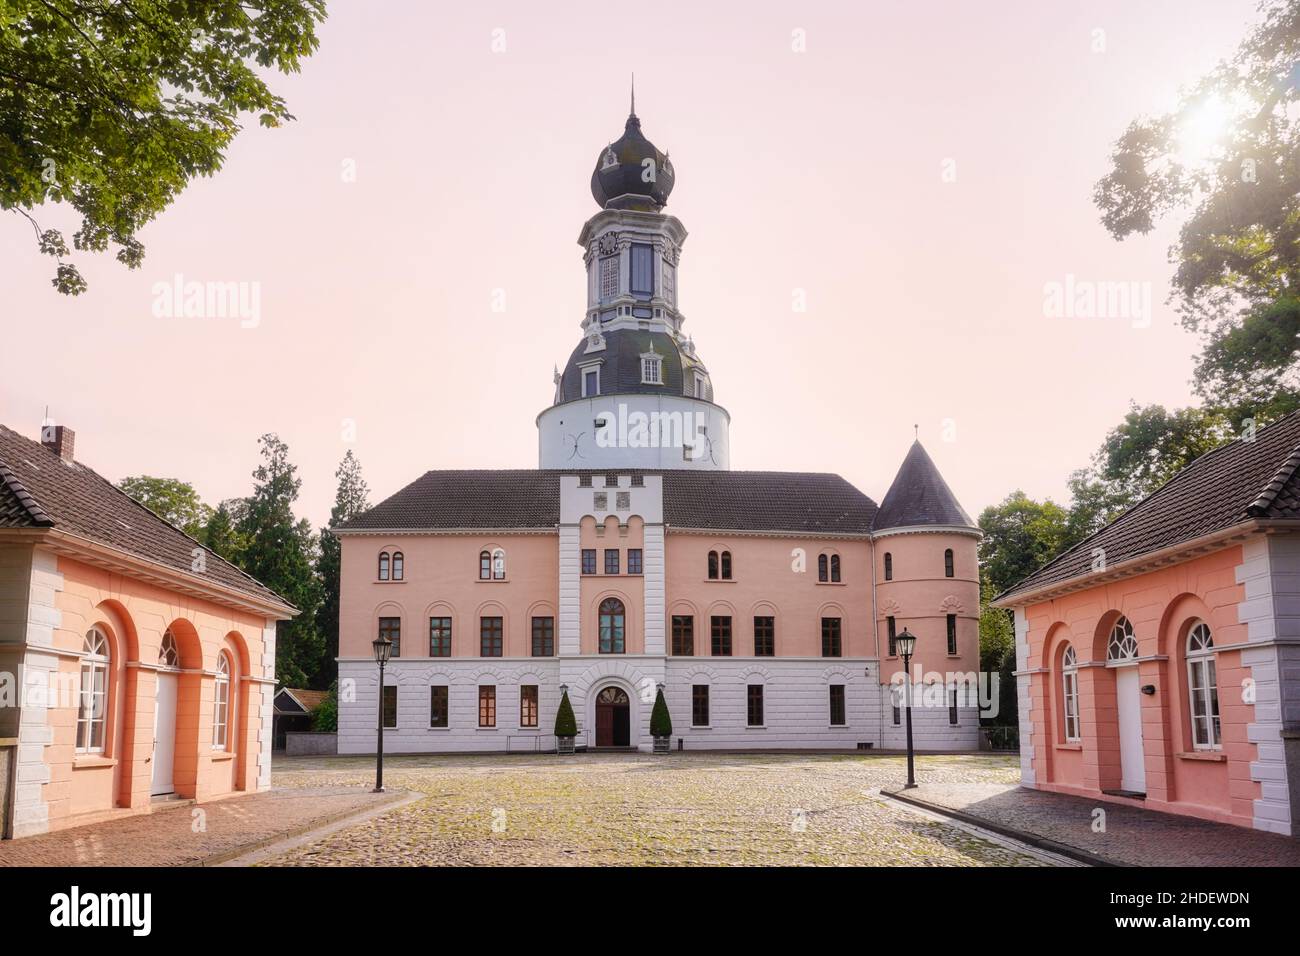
x=164, y=735
x=1129, y=700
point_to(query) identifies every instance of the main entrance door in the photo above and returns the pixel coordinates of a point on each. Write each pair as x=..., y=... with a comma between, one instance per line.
x=164, y=734
x=1128, y=696
x=613, y=721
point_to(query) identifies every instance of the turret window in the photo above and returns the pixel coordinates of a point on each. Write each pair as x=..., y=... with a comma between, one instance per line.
x=889, y=566
x=590, y=382
x=643, y=270
x=608, y=278
x=947, y=563
x=650, y=370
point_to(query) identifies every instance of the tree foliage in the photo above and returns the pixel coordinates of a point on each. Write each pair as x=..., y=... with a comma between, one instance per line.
x=175, y=501
x=352, y=498
x=661, y=722
x=113, y=108
x=1020, y=536
x=566, y=725
x=1229, y=154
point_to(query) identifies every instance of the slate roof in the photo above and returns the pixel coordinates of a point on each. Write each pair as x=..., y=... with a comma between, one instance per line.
x=620, y=365
x=40, y=490
x=919, y=496
x=1221, y=489
x=797, y=502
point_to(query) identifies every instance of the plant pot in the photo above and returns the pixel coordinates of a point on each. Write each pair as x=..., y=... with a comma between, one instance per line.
x=564, y=745
x=663, y=745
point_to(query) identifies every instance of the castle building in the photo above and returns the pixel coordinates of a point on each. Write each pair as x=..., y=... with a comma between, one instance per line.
x=764, y=603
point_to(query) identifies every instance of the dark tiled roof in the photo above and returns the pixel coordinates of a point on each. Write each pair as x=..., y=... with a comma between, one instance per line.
x=1222, y=488
x=920, y=496
x=39, y=489
x=620, y=368
x=722, y=500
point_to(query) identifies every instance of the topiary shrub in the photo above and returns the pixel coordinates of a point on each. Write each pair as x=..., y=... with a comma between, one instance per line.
x=566, y=725
x=661, y=722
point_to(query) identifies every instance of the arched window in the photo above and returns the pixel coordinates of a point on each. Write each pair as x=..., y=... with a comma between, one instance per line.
x=221, y=704
x=498, y=565
x=383, y=565
x=835, y=569
x=398, y=566
x=611, y=626
x=713, y=565
x=822, y=573
x=1123, y=645
x=889, y=566
x=168, y=655
x=1070, y=693
x=1202, y=683
x=92, y=712
x=484, y=566
x=726, y=565
x=947, y=563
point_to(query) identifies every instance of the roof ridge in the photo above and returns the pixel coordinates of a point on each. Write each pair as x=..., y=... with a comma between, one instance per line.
x=24, y=497
x=1268, y=494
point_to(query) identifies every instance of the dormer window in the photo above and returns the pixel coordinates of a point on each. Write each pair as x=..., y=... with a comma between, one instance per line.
x=590, y=381
x=651, y=368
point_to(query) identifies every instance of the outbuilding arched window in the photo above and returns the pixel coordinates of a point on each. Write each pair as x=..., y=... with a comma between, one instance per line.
x=611, y=626
x=1203, y=687
x=168, y=655
x=221, y=704
x=1070, y=693
x=92, y=712
x=1123, y=645
x=383, y=565
x=399, y=566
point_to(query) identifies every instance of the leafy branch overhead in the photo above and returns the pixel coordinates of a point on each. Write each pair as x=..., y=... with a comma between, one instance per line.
x=113, y=108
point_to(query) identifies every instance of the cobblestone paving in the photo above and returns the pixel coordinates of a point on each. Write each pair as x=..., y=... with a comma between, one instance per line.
x=637, y=809
x=178, y=836
x=1132, y=835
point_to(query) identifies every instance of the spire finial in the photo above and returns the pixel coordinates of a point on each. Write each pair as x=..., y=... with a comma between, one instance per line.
x=916, y=432
x=633, y=110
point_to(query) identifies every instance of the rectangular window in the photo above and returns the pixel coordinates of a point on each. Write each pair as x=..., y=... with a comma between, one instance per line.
x=528, y=705
x=650, y=371
x=952, y=708
x=952, y=634
x=543, y=637
x=764, y=636
x=608, y=278
x=837, y=705
x=700, y=705
x=611, y=560
x=720, y=632
x=487, y=706
x=754, y=705
x=898, y=715
x=643, y=270
x=683, y=635
x=391, y=628
x=588, y=560
x=440, y=637
x=390, y=706
x=438, y=705
x=633, y=560
x=590, y=382
x=491, y=637
x=947, y=563
x=1204, y=684
x=832, y=644
x=893, y=637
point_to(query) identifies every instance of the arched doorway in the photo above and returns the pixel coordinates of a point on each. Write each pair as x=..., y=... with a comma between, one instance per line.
x=613, y=718
x=1122, y=654
x=164, y=718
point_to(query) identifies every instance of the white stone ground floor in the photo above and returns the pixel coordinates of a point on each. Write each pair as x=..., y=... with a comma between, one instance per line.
x=796, y=704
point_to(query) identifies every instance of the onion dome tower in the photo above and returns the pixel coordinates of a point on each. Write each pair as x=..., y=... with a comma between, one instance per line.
x=634, y=393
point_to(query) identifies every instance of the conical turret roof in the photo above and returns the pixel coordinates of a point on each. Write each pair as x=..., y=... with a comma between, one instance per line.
x=919, y=496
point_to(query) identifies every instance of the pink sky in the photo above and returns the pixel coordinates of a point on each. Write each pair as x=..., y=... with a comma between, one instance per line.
x=817, y=171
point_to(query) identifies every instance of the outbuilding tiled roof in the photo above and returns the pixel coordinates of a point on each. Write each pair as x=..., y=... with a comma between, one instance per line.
x=919, y=496
x=38, y=489
x=1221, y=489
x=724, y=500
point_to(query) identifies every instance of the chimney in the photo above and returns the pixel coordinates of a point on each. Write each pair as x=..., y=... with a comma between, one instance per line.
x=58, y=439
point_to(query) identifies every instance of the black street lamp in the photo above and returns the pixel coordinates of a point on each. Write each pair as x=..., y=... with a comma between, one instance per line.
x=906, y=643
x=383, y=650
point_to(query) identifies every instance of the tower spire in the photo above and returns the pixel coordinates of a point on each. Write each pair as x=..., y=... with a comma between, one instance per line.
x=633, y=110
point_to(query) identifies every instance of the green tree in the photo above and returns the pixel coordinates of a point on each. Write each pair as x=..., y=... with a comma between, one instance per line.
x=352, y=498
x=113, y=108
x=325, y=718
x=566, y=725
x=1229, y=157
x=221, y=533
x=280, y=551
x=661, y=722
x=175, y=501
x=1020, y=536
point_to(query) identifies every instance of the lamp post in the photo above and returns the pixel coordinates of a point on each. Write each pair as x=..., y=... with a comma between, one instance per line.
x=906, y=645
x=383, y=650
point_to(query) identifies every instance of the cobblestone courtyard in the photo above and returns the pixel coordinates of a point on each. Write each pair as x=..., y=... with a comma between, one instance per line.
x=636, y=809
